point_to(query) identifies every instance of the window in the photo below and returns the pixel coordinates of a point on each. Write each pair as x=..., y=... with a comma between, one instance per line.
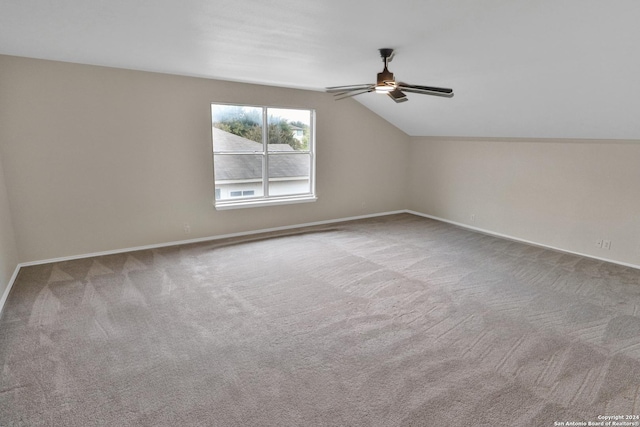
x=262, y=155
x=242, y=193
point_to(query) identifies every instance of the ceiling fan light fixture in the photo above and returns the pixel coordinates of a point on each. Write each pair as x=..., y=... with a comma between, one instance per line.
x=384, y=88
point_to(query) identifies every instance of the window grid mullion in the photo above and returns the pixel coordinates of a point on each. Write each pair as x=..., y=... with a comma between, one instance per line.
x=265, y=153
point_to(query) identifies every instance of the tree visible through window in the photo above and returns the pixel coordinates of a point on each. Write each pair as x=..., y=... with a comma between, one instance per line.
x=262, y=154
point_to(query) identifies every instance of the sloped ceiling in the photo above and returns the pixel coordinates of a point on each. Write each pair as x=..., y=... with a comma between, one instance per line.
x=540, y=69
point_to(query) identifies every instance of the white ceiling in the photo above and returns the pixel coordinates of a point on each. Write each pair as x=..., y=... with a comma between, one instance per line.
x=519, y=68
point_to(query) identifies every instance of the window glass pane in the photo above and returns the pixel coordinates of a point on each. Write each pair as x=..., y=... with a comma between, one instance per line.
x=289, y=129
x=238, y=175
x=236, y=128
x=289, y=174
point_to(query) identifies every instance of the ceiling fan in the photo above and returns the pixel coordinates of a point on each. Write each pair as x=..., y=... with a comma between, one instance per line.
x=386, y=83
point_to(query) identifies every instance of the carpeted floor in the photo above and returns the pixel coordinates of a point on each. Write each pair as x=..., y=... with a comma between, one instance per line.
x=391, y=321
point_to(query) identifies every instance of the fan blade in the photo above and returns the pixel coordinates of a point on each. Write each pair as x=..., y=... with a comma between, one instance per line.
x=334, y=89
x=427, y=88
x=344, y=92
x=349, y=94
x=397, y=95
x=427, y=92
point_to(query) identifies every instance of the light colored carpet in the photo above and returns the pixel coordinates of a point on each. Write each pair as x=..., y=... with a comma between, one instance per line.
x=391, y=321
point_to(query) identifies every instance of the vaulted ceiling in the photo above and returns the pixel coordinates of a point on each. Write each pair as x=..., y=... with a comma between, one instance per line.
x=519, y=68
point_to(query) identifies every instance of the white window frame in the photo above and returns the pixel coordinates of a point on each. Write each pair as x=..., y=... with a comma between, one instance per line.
x=266, y=199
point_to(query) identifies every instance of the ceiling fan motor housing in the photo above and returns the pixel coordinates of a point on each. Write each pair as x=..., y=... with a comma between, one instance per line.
x=385, y=77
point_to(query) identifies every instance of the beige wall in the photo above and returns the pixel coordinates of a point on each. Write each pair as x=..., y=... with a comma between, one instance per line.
x=102, y=159
x=99, y=159
x=8, y=247
x=565, y=194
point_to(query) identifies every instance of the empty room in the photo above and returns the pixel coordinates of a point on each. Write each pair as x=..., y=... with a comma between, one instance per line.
x=329, y=213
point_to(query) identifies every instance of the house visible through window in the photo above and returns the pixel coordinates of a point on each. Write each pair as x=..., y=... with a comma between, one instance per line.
x=242, y=193
x=262, y=155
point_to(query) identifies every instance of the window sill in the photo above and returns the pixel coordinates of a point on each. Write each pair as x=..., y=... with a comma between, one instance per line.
x=237, y=204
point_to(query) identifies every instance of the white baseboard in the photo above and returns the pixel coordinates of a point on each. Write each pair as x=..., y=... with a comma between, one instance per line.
x=517, y=239
x=290, y=227
x=183, y=242
x=208, y=238
x=5, y=294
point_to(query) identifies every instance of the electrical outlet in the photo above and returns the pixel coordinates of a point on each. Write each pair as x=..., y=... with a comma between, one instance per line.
x=186, y=228
x=473, y=218
x=606, y=244
x=599, y=243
